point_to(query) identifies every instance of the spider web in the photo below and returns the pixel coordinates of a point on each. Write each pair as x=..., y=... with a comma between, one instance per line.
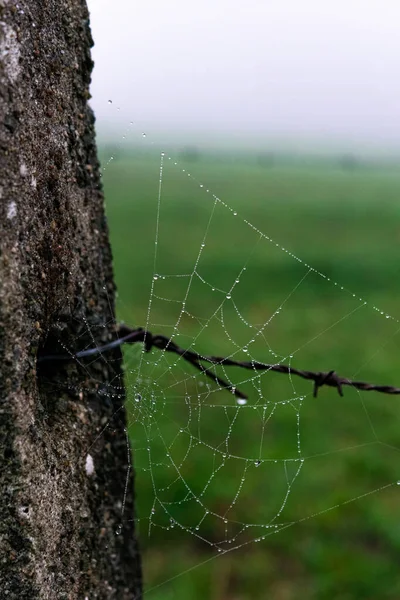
x=216, y=472
x=226, y=472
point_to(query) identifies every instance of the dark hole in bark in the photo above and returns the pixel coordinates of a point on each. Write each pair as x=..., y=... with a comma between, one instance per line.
x=56, y=371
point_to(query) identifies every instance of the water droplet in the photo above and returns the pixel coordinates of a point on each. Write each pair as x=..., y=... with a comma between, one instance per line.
x=228, y=296
x=138, y=397
x=143, y=135
x=110, y=102
x=241, y=401
x=257, y=463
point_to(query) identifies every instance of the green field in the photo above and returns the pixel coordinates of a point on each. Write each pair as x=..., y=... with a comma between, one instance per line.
x=338, y=534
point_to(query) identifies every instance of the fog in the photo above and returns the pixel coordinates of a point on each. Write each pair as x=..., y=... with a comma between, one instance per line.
x=285, y=69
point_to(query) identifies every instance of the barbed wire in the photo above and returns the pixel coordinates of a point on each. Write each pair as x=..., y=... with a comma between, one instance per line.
x=127, y=335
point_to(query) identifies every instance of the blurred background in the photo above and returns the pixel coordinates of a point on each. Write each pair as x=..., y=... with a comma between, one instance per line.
x=288, y=112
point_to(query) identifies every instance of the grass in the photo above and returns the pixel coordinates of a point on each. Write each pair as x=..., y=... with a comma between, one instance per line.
x=338, y=543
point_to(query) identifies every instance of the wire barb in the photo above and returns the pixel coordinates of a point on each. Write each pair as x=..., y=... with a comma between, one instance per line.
x=127, y=335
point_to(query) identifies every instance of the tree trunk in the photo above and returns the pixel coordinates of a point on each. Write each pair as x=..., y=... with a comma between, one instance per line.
x=66, y=489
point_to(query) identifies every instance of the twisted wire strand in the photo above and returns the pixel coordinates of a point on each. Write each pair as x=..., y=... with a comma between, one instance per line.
x=162, y=342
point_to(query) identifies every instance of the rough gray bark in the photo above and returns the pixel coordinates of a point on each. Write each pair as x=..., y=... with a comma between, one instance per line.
x=59, y=524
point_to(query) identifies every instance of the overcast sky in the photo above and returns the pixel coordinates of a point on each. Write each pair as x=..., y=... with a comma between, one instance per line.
x=314, y=69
